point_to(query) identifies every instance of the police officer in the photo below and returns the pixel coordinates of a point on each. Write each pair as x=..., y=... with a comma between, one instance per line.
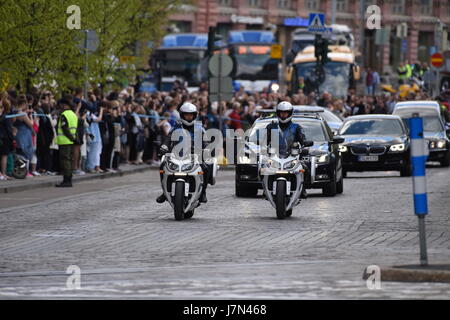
x=188, y=115
x=66, y=129
x=289, y=132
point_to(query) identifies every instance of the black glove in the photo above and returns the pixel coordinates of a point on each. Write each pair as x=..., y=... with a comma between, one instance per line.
x=163, y=150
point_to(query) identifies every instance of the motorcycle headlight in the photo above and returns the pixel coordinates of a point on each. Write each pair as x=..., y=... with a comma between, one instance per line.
x=187, y=166
x=290, y=165
x=397, y=147
x=274, y=164
x=323, y=159
x=343, y=149
x=172, y=166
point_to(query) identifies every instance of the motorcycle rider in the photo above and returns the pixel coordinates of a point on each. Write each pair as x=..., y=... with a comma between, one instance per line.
x=188, y=115
x=289, y=132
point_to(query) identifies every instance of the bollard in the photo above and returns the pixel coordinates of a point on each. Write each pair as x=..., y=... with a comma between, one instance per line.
x=418, y=161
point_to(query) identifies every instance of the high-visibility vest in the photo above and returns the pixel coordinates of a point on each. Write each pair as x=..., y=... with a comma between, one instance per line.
x=408, y=71
x=72, y=120
x=402, y=71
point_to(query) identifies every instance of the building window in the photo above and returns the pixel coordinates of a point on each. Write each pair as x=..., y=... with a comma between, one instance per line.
x=312, y=5
x=341, y=5
x=398, y=7
x=225, y=3
x=368, y=3
x=426, y=7
x=284, y=4
x=254, y=3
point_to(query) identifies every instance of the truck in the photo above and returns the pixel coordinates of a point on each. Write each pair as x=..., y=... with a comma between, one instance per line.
x=341, y=72
x=254, y=68
x=181, y=56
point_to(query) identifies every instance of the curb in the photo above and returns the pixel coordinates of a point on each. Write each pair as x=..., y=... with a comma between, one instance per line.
x=413, y=273
x=50, y=183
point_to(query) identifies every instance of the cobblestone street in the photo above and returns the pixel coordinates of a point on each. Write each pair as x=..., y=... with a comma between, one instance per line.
x=128, y=246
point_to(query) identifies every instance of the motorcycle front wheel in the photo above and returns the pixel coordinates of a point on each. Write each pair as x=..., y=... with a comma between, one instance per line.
x=178, y=207
x=280, y=200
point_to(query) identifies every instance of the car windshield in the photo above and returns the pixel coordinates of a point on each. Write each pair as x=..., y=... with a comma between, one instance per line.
x=330, y=116
x=254, y=63
x=377, y=127
x=314, y=131
x=430, y=123
x=337, y=75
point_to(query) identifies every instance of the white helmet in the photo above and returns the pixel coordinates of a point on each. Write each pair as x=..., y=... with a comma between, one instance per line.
x=285, y=106
x=188, y=107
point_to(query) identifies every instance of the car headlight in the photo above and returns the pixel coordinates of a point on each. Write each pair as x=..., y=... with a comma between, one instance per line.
x=187, y=166
x=244, y=160
x=397, y=147
x=441, y=144
x=343, y=148
x=323, y=159
x=290, y=165
x=173, y=166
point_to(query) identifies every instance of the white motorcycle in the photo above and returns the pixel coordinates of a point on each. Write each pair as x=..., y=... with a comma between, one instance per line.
x=182, y=182
x=283, y=179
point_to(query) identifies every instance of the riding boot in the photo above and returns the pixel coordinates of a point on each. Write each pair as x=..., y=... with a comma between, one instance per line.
x=304, y=194
x=203, y=198
x=161, y=199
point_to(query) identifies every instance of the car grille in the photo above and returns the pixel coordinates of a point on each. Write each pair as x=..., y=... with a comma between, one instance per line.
x=359, y=150
x=368, y=150
x=377, y=150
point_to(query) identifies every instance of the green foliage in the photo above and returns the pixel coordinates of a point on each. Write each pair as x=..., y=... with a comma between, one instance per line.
x=37, y=48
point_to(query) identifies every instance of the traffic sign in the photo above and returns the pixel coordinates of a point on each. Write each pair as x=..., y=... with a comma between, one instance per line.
x=222, y=85
x=316, y=22
x=276, y=51
x=220, y=65
x=437, y=60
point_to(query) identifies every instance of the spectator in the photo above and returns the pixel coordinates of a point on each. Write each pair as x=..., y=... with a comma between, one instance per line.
x=94, y=143
x=25, y=130
x=6, y=136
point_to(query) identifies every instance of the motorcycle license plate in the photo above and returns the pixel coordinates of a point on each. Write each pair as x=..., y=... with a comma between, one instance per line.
x=368, y=158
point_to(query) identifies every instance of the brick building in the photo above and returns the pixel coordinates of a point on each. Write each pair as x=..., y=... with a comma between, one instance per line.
x=421, y=16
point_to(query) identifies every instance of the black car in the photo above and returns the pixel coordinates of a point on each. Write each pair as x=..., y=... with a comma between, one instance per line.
x=434, y=130
x=324, y=159
x=375, y=143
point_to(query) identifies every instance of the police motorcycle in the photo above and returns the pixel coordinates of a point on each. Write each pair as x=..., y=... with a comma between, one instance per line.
x=283, y=178
x=182, y=183
x=183, y=179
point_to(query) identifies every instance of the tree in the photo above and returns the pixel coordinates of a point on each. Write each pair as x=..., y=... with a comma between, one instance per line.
x=37, y=48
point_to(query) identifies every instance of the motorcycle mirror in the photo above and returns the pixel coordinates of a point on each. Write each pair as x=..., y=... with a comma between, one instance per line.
x=308, y=143
x=304, y=152
x=338, y=139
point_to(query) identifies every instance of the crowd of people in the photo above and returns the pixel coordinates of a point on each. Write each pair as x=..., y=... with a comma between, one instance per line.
x=128, y=127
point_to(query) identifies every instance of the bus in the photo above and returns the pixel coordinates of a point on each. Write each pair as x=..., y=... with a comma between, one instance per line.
x=181, y=56
x=254, y=68
x=302, y=38
x=341, y=72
